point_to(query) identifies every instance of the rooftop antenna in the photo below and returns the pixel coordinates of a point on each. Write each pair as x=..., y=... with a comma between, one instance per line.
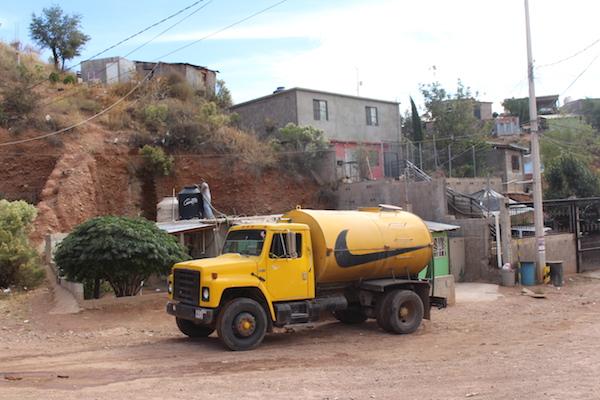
x=358, y=82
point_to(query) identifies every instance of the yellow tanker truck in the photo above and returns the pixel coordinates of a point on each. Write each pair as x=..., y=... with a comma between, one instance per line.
x=354, y=264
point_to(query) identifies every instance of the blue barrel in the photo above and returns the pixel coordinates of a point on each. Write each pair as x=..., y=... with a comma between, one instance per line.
x=527, y=272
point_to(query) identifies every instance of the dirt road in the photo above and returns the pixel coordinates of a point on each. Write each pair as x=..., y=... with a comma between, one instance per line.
x=515, y=347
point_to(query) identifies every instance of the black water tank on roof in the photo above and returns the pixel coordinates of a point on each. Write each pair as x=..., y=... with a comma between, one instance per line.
x=190, y=203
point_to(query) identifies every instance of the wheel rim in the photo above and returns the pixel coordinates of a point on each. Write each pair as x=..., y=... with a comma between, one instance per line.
x=406, y=312
x=244, y=325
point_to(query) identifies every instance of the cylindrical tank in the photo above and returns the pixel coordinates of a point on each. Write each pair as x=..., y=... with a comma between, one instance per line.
x=190, y=203
x=167, y=209
x=365, y=244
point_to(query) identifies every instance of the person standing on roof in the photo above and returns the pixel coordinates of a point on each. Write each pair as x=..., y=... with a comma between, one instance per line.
x=205, y=191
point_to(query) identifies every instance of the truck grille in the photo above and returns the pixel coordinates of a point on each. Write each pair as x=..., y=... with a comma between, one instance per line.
x=186, y=286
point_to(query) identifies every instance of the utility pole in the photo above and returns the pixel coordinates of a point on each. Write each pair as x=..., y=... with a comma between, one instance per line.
x=538, y=213
x=450, y=160
x=474, y=162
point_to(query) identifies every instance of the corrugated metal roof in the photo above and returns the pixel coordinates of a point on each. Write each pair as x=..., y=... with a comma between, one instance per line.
x=185, y=226
x=439, y=227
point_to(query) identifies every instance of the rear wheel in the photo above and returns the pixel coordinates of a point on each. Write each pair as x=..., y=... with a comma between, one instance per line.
x=351, y=315
x=242, y=324
x=381, y=313
x=402, y=311
x=189, y=328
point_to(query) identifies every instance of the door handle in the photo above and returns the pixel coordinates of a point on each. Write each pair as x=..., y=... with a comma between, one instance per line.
x=304, y=276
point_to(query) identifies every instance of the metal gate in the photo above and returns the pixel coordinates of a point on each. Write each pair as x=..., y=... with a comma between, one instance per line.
x=578, y=216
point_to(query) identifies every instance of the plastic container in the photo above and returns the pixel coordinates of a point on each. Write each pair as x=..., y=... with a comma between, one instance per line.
x=556, y=272
x=190, y=203
x=508, y=277
x=527, y=272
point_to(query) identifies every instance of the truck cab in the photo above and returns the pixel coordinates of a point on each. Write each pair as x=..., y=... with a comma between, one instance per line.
x=265, y=277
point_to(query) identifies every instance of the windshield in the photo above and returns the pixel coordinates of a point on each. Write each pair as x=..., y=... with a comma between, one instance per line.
x=247, y=242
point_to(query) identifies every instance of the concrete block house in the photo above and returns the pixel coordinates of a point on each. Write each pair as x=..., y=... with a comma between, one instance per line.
x=349, y=123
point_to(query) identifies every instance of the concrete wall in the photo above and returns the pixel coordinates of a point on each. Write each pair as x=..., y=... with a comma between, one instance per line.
x=108, y=70
x=472, y=185
x=560, y=247
x=347, y=117
x=199, y=78
x=269, y=113
x=426, y=199
x=500, y=163
x=476, y=235
x=457, y=257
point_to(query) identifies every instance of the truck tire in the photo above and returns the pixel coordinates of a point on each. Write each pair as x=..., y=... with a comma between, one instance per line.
x=192, y=330
x=242, y=324
x=351, y=315
x=402, y=311
x=381, y=313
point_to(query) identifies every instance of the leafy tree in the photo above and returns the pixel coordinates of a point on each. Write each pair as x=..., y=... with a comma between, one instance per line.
x=569, y=176
x=417, y=126
x=518, y=108
x=223, y=95
x=16, y=254
x=591, y=112
x=303, y=145
x=122, y=251
x=59, y=32
x=155, y=161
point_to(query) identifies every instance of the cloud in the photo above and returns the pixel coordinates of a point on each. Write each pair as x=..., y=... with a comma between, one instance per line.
x=394, y=45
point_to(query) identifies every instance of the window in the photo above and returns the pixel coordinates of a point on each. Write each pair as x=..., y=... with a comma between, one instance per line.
x=439, y=247
x=286, y=245
x=246, y=242
x=320, y=110
x=372, y=116
x=516, y=163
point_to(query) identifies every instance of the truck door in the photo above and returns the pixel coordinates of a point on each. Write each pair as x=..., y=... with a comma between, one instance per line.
x=288, y=266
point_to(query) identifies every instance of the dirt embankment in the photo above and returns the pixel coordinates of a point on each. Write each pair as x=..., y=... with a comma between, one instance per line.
x=92, y=172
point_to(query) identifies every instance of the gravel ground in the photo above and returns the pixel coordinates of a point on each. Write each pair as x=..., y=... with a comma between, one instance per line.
x=515, y=347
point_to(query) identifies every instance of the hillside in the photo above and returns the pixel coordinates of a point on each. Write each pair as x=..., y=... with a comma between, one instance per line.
x=95, y=169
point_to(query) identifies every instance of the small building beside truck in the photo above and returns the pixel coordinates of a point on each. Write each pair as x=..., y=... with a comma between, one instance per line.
x=354, y=264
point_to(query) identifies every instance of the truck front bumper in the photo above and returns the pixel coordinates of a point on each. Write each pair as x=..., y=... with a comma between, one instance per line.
x=201, y=315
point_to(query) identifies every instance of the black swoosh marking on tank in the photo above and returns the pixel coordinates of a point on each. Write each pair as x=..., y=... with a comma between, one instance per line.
x=346, y=259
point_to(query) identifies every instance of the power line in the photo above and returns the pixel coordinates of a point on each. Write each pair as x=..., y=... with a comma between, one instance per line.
x=595, y=42
x=61, y=97
x=127, y=39
x=147, y=77
x=582, y=72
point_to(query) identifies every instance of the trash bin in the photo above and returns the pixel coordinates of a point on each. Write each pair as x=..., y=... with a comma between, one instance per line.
x=556, y=272
x=508, y=277
x=527, y=272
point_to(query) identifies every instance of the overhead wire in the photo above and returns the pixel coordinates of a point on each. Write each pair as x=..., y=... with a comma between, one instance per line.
x=586, y=48
x=126, y=39
x=68, y=94
x=147, y=76
x=581, y=74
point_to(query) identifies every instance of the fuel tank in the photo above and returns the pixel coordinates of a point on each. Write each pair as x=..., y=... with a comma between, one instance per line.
x=365, y=244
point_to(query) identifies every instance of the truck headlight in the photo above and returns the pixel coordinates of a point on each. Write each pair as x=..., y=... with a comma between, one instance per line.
x=205, y=294
x=170, y=287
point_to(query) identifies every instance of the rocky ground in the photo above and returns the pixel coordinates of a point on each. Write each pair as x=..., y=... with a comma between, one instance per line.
x=514, y=347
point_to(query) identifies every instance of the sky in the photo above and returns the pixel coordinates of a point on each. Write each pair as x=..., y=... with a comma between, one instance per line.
x=390, y=46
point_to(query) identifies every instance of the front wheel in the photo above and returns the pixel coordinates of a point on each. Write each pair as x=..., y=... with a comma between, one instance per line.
x=242, y=324
x=193, y=330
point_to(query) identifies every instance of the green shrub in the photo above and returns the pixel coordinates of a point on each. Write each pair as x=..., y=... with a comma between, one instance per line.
x=155, y=161
x=19, y=98
x=54, y=77
x=69, y=80
x=122, y=251
x=30, y=275
x=155, y=116
x=17, y=256
x=300, y=147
